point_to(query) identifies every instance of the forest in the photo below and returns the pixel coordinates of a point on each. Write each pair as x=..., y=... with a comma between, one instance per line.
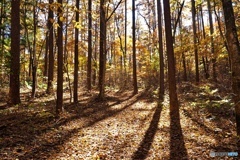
x=119, y=79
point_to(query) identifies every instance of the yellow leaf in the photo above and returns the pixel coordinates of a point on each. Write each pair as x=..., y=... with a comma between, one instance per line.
x=77, y=25
x=56, y=25
x=61, y=19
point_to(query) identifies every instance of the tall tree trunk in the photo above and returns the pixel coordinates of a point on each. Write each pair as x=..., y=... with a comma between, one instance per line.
x=160, y=50
x=51, y=50
x=178, y=19
x=45, y=72
x=2, y=34
x=204, y=58
x=75, y=88
x=183, y=53
x=95, y=56
x=212, y=43
x=234, y=51
x=89, y=70
x=221, y=33
x=195, y=40
x=102, y=57
x=59, y=105
x=125, y=45
x=174, y=107
x=34, y=59
x=14, y=89
x=66, y=55
x=135, y=91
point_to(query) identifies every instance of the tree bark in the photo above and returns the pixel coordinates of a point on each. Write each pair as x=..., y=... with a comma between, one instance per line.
x=75, y=88
x=14, y=90
x=59, y=106
x=89, y=70
x=195, y=40
x=34, y=59
x=160, y=50
x=234, y=49
x=102, y=58
x=135, y=91
x=174, y=106
x=51, y=51
x=212, y=43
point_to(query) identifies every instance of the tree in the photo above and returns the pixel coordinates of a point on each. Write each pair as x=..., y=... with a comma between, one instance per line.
x=14, y=90
x=59, y=106
x=4, y=21
x=160, y=50
x=212, y=43
x=195, y=39
x=234, y=50
x=75, y=94
x=103, y=44
x=174, y=107
x=89, y=68
x=102, y=56
x=204, y=58
x=34, y=59
x=51, y=49
x=135, y=91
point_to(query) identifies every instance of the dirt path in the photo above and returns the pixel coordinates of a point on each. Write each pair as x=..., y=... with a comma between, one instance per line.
x=122, y=127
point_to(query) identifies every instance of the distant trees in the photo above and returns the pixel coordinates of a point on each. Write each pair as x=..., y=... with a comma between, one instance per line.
x=104, y=18
x=97, y=45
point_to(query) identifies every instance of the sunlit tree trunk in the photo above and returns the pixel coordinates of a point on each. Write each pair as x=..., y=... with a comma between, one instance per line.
x=234, y=51
x=102, y=58
x=59, y=105
x=195, y=40
x=160, y=50
x=66, y=55
x=75, y=88
x=135, y=91
x=95, y=55
x=185, y=78
x=178, y=19
x=14, y=89
x=34, y=60
x=204, y=57
x=45, y=72
x=221, y=33
x=174, y=106
x=212, y=43
x=51, y=50
x=89, y=70
x=125, y=43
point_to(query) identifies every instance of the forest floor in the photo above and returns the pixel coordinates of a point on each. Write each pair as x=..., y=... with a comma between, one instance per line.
x=124, y=126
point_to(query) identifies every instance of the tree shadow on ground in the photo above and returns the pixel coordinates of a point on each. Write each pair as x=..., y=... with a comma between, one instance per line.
x=144, y=147
x=16, y=141
x=178, y=150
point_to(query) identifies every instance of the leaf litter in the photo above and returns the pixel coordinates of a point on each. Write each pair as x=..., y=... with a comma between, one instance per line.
x=121, y=127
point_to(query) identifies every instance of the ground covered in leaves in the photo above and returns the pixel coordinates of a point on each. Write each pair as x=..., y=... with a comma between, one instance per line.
x=124, y=126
